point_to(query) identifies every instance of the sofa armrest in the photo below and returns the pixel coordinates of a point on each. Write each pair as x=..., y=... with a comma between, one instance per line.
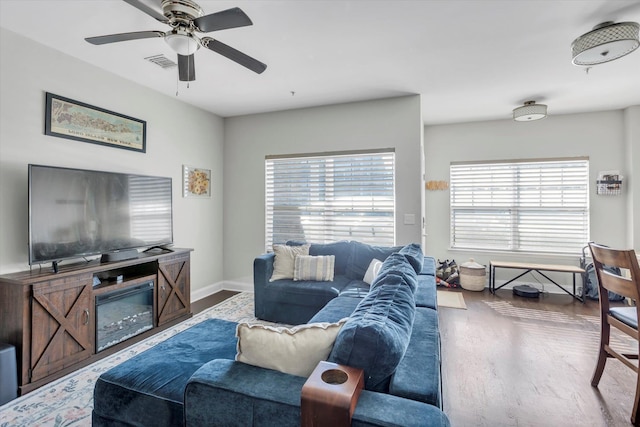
x=229, y=393
x=262, y=271
x=428, y=266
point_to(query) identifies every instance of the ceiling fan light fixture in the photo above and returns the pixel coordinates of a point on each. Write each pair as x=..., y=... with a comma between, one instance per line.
x=182, y=42
x=606, y=42
x=530, y=111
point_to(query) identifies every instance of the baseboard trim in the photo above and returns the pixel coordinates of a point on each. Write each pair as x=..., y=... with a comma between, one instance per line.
x=220, y=286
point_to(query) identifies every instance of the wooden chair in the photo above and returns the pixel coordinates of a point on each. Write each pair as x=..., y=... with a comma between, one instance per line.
x=623, y=318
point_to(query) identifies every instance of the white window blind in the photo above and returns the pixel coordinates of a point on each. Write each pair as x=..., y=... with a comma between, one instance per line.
x=331, y=197
x=528, y=206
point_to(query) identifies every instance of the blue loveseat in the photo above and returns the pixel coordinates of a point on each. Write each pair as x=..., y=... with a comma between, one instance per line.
x=391, y=332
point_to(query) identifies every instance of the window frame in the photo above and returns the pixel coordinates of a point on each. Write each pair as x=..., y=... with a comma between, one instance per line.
x=562, y=187
x=333, y=196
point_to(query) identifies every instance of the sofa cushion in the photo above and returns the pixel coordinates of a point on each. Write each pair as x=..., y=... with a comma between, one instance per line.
x=294, y=303
x=397, y=264
x=429, y=266
x=284, y=262
x=294, y=351
x=318, y=268
x=355, y=289
x=336, y=309
x=376, y=335
x=413, y=254
x=424, y=352
x=148, y=389
x=361, y=256
x=426, y=294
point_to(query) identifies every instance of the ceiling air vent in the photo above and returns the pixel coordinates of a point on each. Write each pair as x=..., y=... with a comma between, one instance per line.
x=161, y=61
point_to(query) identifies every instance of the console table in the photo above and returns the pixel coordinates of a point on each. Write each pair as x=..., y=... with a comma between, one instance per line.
x=50, y=317
x=539, y=268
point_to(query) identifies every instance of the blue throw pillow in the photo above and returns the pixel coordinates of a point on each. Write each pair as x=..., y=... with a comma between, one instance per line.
x=413, y=253
x=361, y=256
x=376, y=336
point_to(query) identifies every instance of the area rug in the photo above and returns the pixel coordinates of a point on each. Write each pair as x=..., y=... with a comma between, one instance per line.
x=451, y=299
x=68, y=401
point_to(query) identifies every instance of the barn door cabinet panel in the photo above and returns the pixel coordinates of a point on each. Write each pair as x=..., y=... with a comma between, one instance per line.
x=62, y=324
x=174, y=288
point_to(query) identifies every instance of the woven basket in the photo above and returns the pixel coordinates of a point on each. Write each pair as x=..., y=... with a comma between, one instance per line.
x=473, y=276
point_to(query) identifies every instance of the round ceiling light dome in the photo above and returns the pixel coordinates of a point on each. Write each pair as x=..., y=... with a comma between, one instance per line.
x=530, y=111
x=606, y=42
x=182, y=42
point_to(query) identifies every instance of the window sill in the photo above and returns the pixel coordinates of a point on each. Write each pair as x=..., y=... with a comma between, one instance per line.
x=553, y=256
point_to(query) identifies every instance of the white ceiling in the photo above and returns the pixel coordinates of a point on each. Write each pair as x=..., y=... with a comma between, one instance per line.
x=470, y=60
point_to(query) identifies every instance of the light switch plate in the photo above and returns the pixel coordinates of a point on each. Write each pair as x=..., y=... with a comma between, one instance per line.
x=409, y=219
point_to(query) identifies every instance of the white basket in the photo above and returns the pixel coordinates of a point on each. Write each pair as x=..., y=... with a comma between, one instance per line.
x=473, y=276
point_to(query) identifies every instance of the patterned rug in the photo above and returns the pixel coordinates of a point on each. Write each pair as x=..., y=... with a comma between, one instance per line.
x=68, y=401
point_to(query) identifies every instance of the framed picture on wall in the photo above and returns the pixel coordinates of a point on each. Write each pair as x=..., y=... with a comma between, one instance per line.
x=66, y=118
x=196, y=182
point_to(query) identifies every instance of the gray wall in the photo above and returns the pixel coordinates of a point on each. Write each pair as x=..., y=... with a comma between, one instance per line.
x=394, y=122
x=632, y=143
x=607, y=138
x=176, y=134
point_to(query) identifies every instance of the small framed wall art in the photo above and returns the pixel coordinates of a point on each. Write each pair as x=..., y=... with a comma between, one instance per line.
x=196, y=182
x=66, y=118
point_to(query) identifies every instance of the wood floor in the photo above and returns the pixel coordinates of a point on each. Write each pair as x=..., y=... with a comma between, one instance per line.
x=513, y=361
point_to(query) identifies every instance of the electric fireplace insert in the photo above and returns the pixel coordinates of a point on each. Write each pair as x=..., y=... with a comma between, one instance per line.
x=123, y=313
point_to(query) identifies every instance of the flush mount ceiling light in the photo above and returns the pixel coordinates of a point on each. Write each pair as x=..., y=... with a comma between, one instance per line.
x=606, y=42
x=530, y=111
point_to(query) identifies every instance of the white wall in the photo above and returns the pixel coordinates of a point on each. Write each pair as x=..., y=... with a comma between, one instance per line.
x=632, y=186
x=176, y=134
x=600, y=136
x=394, y=122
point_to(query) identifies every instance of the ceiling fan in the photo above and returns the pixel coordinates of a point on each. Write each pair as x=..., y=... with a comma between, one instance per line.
x=186, y=18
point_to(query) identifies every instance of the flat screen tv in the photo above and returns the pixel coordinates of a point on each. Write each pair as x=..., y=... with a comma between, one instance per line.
x=77, y=213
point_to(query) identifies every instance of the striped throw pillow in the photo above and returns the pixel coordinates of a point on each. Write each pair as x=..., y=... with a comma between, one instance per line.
x=318, y=268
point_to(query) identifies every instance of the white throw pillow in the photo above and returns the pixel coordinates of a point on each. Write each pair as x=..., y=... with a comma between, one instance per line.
x=372, y=271
x=318, y=268
x=284, y=261
x=295, y=351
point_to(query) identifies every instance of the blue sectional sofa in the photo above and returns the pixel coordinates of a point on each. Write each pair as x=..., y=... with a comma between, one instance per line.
x=391, y=332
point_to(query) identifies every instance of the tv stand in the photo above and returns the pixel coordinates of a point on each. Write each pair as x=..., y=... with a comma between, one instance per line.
x=50, y=317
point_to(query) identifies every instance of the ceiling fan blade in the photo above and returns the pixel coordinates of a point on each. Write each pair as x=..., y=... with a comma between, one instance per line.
x=123, y=37
x=230, y=18
x=186, y=68
x=233, y=54
x=148, y=10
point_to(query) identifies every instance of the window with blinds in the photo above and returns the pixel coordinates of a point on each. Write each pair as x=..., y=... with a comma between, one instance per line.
x=331, y=197
x=527, y=206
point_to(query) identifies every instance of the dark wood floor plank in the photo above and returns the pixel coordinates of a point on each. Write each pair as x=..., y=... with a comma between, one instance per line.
x=512, y=361
x=210, y=301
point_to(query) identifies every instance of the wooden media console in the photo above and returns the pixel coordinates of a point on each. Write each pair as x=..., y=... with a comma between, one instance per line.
x=50, y=317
